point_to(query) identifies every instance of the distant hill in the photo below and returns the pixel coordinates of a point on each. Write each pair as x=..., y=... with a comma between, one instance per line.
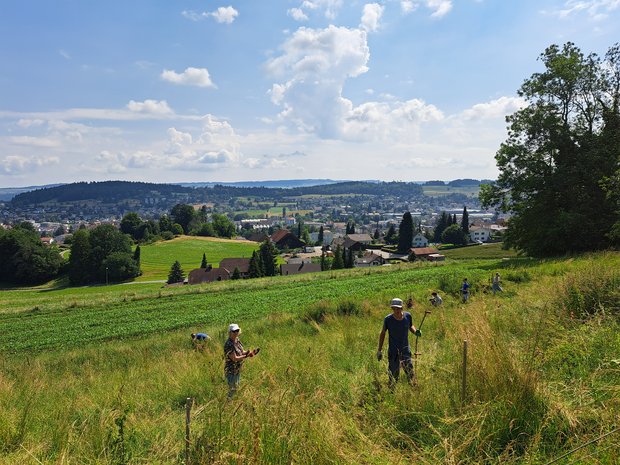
x=116, y=192
x=105, y=192
x=281, y=184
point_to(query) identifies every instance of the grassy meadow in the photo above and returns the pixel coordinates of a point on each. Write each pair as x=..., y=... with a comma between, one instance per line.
x=543, y=371
x=482, y=251
x=157, y=258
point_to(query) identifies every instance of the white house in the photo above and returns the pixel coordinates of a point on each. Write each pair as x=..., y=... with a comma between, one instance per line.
x=420, y=240
x=480, y=234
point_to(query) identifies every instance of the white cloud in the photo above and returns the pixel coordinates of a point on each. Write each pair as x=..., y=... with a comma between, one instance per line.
x=408, y=6
x=225, y=14
x=222, y=15
x=216, y=146
x=439, y=7
x=153, y=107
x=17, y=164
x=329, y=7
x=297, y=14
x=317, y=63
x=64, y=54
x=190, y=77
x=595, y=9
x=371, y=17
x=497, y=108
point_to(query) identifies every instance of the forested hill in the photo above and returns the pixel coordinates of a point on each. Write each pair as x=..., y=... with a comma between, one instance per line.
x=119, y=191
x=105, y=192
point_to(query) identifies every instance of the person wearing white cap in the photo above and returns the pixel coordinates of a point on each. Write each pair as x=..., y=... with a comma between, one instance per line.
x=235, y=355
x=398, y=324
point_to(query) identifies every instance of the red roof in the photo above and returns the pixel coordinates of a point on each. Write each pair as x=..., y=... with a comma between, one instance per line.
x=279, y=235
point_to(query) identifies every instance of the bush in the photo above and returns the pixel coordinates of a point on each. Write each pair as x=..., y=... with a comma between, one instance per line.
x=318, y=311
x=167, y=235
x=348, y=308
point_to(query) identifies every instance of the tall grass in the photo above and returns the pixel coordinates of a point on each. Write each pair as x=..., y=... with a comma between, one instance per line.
x=539, y=384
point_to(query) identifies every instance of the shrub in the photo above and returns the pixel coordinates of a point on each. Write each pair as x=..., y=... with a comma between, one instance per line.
x=348, y=307
x=318, y=311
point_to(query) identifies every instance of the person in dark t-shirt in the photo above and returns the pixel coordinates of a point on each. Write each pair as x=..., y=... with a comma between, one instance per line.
x=398, y=325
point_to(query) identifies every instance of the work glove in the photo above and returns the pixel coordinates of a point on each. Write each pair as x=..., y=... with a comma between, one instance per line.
x=250, y=353
x=379, y=355
x=418, y=332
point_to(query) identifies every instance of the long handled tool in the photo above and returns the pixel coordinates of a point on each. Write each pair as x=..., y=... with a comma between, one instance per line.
x=415, y=352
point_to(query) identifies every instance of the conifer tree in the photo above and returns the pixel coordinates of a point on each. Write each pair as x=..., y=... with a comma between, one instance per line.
x=321, y=236
x=236, y=274
x=465, y=221
x=338, y=262
x=176, y=275
x=203, y=264
x=405, y=233
x=268, y=254
x=256, y=269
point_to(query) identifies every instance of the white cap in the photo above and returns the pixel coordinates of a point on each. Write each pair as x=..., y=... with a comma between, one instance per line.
x=233, y=327
x=396, y=303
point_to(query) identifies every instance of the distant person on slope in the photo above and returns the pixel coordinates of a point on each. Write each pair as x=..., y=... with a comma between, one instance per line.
x=199, y=339
x=465, y=290
x=435, y=299
x=235, y=355
x=495, y=286
x=398, y=324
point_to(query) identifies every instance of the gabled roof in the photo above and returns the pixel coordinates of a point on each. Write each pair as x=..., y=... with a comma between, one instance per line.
x=280, y=234
x=424, y=250
x=231, y=263
x=205, y=275
x=360, y=237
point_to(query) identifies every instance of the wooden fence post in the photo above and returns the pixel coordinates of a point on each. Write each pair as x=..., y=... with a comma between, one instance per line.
x=188, y=411
x=464, y=374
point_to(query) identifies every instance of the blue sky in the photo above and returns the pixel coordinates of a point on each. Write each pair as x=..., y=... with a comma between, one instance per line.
x=185, y=90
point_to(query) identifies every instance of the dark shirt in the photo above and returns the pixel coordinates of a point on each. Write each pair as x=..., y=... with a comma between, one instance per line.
x=465, y=288
x=230, y=367
x=398, y=331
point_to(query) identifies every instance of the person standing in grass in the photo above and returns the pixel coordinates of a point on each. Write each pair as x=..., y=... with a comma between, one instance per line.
x=435, y=299
x=398, y=324
x=465, y=290
x=495, y=286
x=235, y=355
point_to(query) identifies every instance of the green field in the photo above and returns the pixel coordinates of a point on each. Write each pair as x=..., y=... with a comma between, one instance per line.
x=482, y=251
x=157, y=258
x=104, y=380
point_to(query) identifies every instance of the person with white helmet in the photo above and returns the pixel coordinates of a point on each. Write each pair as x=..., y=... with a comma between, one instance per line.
x=398, y=324
x=235, y=356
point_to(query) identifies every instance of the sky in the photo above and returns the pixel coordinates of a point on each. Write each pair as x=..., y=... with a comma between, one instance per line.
x=207, y=91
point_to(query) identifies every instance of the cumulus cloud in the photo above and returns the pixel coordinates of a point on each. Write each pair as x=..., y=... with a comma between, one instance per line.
x=371, y=16
x=297, y=14
x=216, y=146
x=190, y=77
x=152, y=107
x=224, y=14
x=317, y=63
x=28, y=123
x=497, y=108
x=17, y=164
x=408, y=6
x=329, y=8
x=439, y=8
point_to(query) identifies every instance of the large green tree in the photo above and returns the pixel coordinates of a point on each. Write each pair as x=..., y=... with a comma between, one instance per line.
x=182, y=214
x=561, y=149
x=24, y=259
x=268, y=256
